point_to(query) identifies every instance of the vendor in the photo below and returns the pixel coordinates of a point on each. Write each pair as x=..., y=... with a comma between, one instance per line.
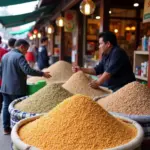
x=115, y=68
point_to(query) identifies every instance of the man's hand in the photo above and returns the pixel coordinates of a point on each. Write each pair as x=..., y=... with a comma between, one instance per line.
x=94, y=84
x=75, y=68
x=46, y=75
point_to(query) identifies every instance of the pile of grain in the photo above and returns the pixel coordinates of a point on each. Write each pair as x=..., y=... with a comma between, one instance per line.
x=134, y=98
x=61, y=71
x=77, y=123
x=78, y=84
x=44, y=100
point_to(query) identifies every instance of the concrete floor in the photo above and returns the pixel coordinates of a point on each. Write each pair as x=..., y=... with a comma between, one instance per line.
x=5, y=140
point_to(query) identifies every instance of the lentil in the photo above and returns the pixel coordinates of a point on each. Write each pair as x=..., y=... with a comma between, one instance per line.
x=78, y=123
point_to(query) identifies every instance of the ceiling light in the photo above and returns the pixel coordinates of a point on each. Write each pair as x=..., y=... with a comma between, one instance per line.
x=97, y=17
x=60, y=21
x=116, y=30
x=110, y=12
x=87, y=7
x=136, y=4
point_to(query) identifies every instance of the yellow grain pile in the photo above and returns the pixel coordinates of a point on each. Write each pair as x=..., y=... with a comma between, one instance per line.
x=134, y=98
x=78, y=123
x=61, y=71
x=78, y=84
x=44, y=100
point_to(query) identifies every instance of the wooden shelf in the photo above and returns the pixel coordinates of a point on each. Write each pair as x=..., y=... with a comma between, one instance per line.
x=141, y=52
x=141, y=78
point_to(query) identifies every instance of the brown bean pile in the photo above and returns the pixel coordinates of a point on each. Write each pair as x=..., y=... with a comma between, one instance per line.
x=133, y=98
x=44, y=100
x=78, y=84
x=78, y=123
x=61, y=71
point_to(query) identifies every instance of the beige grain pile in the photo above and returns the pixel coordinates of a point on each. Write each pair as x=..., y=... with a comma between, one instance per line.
x=44, y=100
x=134, y=98
x=61, y=71
x=78, y=84
x=78, y=123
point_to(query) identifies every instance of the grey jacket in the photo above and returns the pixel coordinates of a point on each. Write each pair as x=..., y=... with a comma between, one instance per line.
x=14, y=70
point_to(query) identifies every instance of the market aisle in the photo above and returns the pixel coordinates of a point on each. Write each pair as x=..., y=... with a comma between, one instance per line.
x=5, y=141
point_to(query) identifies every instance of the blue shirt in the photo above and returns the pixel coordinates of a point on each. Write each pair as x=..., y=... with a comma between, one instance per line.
x=14, y=70
x=118, y=65
x=42, y=58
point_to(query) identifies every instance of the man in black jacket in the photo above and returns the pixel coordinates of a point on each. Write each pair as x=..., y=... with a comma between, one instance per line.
x=115, y=68
x=14, y=70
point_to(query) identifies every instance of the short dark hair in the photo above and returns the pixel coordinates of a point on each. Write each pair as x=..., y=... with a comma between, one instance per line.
x=43, y=39
x=21, y=42
x=11, y=42
x=109, y=37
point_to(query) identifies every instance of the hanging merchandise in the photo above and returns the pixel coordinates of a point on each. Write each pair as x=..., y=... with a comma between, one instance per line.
x=60, y=21
x=87, y=7
x=50, y=29
x=146, y=16
x=70, y=21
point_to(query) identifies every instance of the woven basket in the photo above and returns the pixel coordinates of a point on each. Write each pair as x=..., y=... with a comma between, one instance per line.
x=132, y=145
x=17, y=115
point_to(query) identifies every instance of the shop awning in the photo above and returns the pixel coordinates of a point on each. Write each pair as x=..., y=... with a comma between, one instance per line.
x=13, y=2
x=17, y=20
x=21, y=31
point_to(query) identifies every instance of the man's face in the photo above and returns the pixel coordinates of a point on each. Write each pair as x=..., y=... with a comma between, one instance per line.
x=103, y=47
x=24, y=49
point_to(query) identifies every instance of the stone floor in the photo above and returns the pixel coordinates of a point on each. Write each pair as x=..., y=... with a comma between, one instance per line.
x=5, y=140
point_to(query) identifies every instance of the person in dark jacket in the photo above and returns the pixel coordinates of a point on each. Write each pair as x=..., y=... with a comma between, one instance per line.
x=43, y=59
x=115, y=68
x=14, y=71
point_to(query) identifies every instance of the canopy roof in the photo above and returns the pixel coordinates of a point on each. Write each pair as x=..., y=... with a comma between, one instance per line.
x=17, y=20
x=13, y=2
x=21, y=31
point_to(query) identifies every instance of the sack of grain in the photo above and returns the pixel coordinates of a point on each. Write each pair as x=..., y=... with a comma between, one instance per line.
x=17, y=115
x=78, y=123
x=60, y=71
x=78, y=83
x=38, y=103
x=132, y=145
x=132, y=101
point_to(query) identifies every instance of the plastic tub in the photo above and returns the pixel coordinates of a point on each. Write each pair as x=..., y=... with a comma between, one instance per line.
x=32, y=88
